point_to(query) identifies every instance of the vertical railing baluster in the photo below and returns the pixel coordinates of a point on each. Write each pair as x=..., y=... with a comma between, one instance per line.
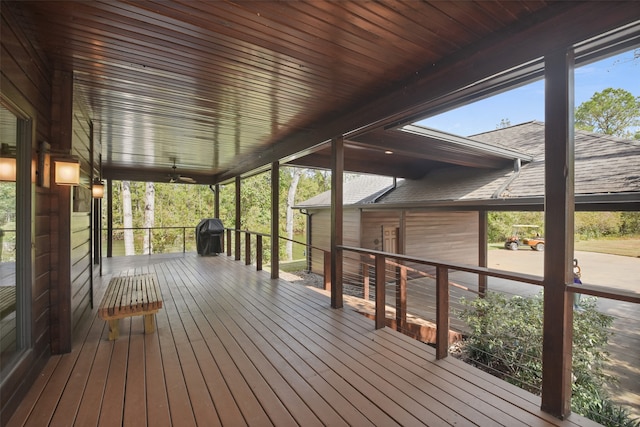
x=247, y=248
x=442, y=312
x=259, y=252
x=380, y=291
x=327, y=270
x=184, y=240
x=401, y=298
x=365, y=281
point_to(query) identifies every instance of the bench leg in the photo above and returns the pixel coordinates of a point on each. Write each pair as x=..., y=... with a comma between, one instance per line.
x=149, y=323
x=114, y=330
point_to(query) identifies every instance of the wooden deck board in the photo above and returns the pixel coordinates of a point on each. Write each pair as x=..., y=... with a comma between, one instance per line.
x=234, y=347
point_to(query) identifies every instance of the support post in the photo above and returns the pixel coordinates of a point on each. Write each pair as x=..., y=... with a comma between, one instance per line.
x=337, y=169
x=216, y=201
x=275, y=220
x=237, y=242
x=559, y=223
x=380, y=291
x=327, y=270
x=401, y=298
x=259, y=252
x=247, y=248
x=483, y=252
x=442, y=312
x=229, y=242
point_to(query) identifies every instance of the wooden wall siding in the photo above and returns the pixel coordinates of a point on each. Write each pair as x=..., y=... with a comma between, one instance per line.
x=445, y=236
x=372, y=223
x=26, y=83
x=321, y=238
x=81, y=265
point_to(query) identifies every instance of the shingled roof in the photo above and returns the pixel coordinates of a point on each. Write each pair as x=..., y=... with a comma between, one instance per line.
x=605, y=165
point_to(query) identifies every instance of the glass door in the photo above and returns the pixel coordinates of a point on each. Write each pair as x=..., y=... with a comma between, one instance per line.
x=10, y=317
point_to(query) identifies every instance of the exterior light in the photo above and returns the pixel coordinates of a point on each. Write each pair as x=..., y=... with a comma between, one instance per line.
x=7, y=169
x=97, y=189
x=67, y=172
x=388, y=152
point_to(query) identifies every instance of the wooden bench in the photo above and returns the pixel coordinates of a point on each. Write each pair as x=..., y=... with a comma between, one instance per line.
x=128, y=296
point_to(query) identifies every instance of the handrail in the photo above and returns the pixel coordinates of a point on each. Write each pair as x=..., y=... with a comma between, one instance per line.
x=501, y=274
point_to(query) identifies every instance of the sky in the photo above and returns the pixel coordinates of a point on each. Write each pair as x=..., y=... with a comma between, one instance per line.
x=527, y=102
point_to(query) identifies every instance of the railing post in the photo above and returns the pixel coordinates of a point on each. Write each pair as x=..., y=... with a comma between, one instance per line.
x=247, y=248
x=380, y=291
x=228, y=242
x=259, y=252
x=184, y=240
x=401, y=298
x=327, y=270
x=365, y=281
x=442, y=312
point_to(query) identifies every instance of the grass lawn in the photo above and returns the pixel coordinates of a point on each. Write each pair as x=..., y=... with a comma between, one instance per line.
x=625, y=246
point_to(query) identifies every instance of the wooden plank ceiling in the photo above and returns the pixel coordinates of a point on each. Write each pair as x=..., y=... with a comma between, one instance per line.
x=222, y=88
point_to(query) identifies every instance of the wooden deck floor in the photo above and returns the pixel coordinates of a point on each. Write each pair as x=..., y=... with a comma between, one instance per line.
x=234, y=348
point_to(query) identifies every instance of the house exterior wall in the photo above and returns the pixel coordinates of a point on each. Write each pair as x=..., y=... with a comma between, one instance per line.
x=26, y=84
x=321, y=238
x=372, y=224
x=444, y=236
x=81, y=265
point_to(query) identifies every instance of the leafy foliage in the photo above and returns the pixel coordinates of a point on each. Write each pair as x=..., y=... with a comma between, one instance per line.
x=612, y=112
x=588, y=225
x=185, y=205
x=506, y=339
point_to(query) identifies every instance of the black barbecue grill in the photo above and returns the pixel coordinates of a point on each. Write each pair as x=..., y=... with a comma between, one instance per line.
x=209, y=235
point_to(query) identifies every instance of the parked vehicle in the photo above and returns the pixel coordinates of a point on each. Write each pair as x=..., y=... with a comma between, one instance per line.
x=535, y=242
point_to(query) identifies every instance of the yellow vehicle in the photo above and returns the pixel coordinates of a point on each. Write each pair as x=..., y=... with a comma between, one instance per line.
x=535, y=242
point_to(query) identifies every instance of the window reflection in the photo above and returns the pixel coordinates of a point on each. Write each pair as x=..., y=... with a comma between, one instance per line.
x=9, y=326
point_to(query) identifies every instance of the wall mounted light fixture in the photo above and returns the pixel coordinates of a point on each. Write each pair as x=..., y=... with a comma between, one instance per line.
x=97, y=189
x=67, y=172
x=7, y=163
x=8, y=169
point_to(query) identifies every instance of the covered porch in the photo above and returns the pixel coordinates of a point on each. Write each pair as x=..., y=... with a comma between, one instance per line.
x=235, y=347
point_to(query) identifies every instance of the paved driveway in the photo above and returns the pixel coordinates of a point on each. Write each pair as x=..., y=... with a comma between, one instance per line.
x=597, y=269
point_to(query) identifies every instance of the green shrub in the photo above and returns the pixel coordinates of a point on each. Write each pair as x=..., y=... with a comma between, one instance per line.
x=506, y=340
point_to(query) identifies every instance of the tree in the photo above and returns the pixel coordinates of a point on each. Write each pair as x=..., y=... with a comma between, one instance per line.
x=611, y=112
x=291, y=195
x=149, y=216
x=127, y=219
x=504, y=123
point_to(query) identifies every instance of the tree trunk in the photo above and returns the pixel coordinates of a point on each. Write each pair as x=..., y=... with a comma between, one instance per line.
x=290, y=201
x=127, y=219
x=149, y=216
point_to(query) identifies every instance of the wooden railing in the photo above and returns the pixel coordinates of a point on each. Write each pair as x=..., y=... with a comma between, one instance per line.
x=381, y=260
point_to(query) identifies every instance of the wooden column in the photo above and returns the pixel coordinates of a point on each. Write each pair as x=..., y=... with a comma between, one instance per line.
x=442, y=312
x=558, y=216
x=337, y=169
x=216, y=201
x=275, y=220
x=483, y=253
x=61, y=139
x=237, y=242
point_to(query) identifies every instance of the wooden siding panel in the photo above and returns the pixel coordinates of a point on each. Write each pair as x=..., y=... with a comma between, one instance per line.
x=372, y=223
x=321, y=236
x=444, y=236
